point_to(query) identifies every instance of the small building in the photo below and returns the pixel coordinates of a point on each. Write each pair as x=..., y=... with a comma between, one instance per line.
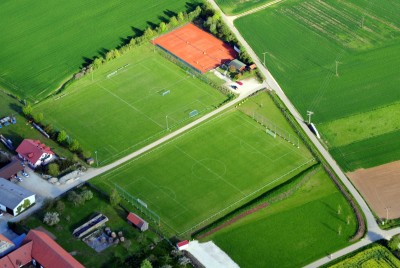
x=138, y=222
x=237, y=65
x=39, y=250
x=183, y=245
x=13, y=198
x=252, y=66
x=35, y=152
x=10, y=170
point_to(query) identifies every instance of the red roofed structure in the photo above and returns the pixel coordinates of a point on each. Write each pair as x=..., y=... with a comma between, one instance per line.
x=40, y=250
x=35, y=152
x=201, y=50
x=183, y=245
x=137, y=221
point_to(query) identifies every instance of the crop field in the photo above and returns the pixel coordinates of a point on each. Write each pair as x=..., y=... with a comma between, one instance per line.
x=294, y=231
x=374, y=256
x=232, y=7
x=306, y=40
x=208, y=171
x=38, y=53
x=130, y=102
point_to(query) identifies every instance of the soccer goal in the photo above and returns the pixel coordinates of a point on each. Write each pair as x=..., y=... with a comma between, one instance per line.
x=193, y=113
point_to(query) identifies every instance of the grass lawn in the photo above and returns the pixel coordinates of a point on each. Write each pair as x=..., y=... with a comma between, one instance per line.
x=373, y=256
x=303, y=41
x=292, y=232
x=79, y=215
x=22, y=130
x=123, y=108
x=233, y=7
x=45, y=49
x=226, y=161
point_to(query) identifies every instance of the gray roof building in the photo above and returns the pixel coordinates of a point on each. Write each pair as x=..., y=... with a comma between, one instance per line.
x=12, y=196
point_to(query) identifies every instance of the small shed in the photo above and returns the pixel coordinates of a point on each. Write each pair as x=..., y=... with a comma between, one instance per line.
x=90, y=161
x=138, y=222
x=237, y=64
x=183, y=245
x=252, y=66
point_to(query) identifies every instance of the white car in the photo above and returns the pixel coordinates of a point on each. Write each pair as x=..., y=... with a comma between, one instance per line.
x=25, y=174
x=18, y=178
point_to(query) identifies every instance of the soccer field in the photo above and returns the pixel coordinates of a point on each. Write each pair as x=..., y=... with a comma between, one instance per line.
x=130, y=102
x=306, y=40
x=45, y=42
x=208, y=171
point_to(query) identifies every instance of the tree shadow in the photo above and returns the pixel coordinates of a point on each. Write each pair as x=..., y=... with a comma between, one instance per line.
x=190, y=6
x=152, y=24
x=86, y=61
x=163, y=19
x=16, y=108
x=137, y=31
x=170, y=13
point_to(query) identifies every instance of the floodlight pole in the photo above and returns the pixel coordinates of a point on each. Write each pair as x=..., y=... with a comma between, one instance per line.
x=309, y=114
x=264, y=57
x=97, y=161
x=166, y=119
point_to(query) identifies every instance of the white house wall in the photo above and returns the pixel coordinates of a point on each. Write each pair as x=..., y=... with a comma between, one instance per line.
x=31, y=198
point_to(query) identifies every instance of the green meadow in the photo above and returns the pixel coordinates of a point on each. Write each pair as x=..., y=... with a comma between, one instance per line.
x=233, y=7
x=45, y=42
x=292, y=232
x=304, y=41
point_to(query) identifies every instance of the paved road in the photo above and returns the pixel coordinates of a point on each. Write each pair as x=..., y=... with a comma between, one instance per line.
x=374, y=232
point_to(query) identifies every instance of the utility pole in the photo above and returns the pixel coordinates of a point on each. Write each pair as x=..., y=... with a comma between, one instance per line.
x=387, y=213
x=309, y=114
x=337, y=65
x=264, y=57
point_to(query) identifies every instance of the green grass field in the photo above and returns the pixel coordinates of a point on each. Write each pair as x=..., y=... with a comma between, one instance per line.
x=39, y=52
x=226, y=161
x=233, y=7
x=292, y=232
x=126, y=109
x=303, y=41
x=373, y=256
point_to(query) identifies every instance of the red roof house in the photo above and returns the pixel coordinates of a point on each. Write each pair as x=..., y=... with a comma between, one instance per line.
x=48, y=253
x=40, y=250
x=21, y=256
x=35, y=152
x=138, y=222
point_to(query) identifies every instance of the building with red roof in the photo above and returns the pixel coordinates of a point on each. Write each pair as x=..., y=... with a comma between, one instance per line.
x=183, y=245
x=34, y=152
x=5, y=245
x=141, y=224
x=41, y=251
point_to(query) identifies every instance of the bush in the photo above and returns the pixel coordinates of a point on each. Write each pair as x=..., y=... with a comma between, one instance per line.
x=60, y=206
x=87, y=195
x=75, y=198
x=53, y=169
x=51, y=218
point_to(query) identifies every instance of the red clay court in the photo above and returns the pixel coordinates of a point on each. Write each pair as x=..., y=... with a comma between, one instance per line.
x=199, y=49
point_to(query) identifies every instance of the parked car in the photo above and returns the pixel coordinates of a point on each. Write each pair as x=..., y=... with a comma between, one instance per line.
x=18, y=178
x=233, y=86
x=239, y=83
x=25, y=174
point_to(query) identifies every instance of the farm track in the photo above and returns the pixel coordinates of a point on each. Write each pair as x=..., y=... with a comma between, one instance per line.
x=374, y=233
